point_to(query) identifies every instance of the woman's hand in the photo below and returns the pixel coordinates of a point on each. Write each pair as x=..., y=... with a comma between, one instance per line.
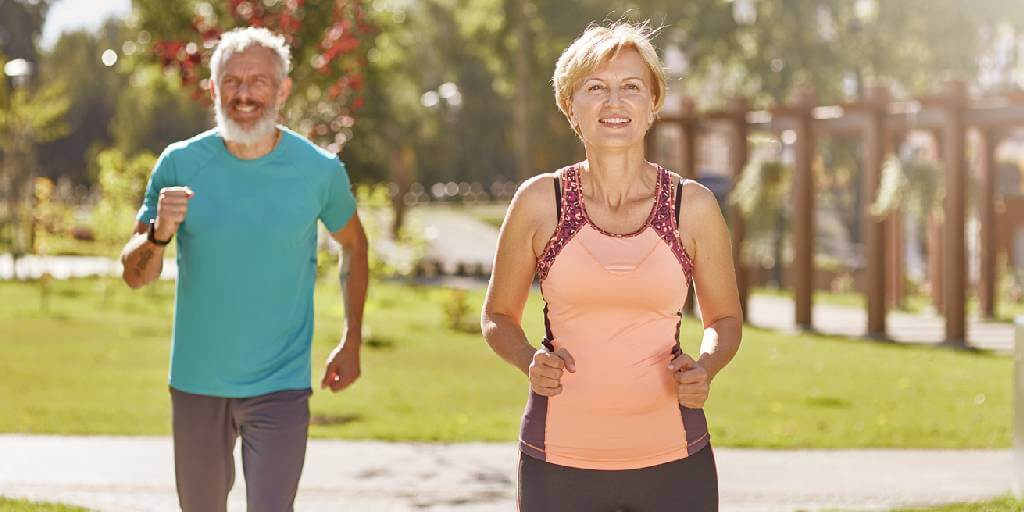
x=546, y=370
x=692, y=381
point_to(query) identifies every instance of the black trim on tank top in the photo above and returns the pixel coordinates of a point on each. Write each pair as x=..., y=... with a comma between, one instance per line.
x=548, y=337
x=679, y=198
x=558, y=198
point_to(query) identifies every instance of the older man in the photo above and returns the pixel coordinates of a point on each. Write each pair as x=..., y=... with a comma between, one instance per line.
x=243, y=201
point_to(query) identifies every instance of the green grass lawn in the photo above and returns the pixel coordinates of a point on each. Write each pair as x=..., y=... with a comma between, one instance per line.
x=86, y=367
x=1003, y=504
x=15, y=505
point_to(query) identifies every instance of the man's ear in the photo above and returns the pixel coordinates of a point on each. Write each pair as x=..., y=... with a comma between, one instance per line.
x=284, y=91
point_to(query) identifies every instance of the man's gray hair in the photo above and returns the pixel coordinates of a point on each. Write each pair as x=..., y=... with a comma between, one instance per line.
x=239, y=39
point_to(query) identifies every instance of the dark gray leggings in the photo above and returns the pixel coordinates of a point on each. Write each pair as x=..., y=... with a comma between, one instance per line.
x=685, y=485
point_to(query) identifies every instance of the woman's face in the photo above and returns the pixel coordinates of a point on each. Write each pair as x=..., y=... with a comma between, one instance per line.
x=613, y=106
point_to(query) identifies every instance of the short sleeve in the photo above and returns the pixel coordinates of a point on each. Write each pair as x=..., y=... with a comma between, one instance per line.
x=340, y=204
x=162, y=176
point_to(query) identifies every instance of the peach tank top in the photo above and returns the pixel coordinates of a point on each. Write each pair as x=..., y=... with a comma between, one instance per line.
x=615, y=302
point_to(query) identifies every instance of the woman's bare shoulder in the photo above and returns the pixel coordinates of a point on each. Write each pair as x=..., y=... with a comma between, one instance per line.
x=535, y=197
x=696, y=197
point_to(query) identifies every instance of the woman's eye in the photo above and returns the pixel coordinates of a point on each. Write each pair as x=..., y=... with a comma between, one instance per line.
x=634, y=87
x=595, y=87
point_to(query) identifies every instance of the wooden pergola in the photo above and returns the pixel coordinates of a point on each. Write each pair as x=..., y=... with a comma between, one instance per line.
x=881, y=125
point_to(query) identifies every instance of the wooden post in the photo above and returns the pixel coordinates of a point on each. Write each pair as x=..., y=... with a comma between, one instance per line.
x=874, y=227
x=935, y=262
x=935, y=230
x=738, y=155
x=403, y=163
x=954, y=268
x=989, y=140
x=803, y=213
x=896, y=254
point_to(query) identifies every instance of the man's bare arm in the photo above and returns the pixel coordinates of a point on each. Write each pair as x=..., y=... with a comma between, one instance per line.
x=143, y=260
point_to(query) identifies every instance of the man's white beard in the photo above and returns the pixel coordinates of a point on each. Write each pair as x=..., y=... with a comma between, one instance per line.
x=234, y=132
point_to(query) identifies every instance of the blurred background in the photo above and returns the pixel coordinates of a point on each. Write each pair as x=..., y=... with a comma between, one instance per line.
x=867, y=154
x=450, y=102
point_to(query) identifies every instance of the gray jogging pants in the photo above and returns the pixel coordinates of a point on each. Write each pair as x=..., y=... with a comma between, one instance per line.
x=274, y=429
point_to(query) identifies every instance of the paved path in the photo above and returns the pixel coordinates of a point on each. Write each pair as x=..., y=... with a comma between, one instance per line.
x=778, y=313
x=455, y=239
x=65, y=267
x=122, y=474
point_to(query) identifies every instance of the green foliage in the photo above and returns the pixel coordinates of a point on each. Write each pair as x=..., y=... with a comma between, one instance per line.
x=1002, y=504
x=761, y=188
x=760, y=195
x=34, y=115
x=500, y=54
x=49, y=219
x=155, y=111
x=28, y=116
x=122, y=183
x=457, y=311
x=915, y=185
x=21, y=23
x=91, y=102
x=835, y=48
x=21, y=505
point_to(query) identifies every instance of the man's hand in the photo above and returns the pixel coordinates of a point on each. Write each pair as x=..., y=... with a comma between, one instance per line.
x=170, y=211
x=547, y=368
x=692, y=381
x=342, y=367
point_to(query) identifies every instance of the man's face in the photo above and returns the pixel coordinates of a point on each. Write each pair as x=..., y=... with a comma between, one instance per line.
x=249, y=93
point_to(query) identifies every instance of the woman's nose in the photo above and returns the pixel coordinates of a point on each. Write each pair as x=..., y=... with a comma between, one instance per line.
x=613, y=97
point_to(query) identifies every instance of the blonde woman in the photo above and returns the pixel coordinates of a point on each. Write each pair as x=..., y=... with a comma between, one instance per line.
x=615, y=419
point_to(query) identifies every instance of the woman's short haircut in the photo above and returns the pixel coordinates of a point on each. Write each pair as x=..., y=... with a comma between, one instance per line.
x=598, y=45
x=240, y=39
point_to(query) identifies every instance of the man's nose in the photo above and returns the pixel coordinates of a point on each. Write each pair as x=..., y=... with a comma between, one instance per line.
x=243, y=90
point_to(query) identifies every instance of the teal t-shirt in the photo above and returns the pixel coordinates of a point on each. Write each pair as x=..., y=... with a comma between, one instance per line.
x=243, y=312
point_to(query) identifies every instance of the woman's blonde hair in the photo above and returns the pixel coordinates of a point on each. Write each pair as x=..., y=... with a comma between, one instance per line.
x=598, y=45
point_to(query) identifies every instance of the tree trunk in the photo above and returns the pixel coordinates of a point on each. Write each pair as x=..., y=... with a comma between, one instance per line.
x=402, y=162
x=520, y=14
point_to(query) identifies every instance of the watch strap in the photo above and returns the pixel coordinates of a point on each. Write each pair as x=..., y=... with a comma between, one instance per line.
x=151, y=234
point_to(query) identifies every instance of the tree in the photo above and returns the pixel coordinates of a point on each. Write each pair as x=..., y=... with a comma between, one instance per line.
x=328, y=41
x=92, y=101
x=21, y=22
x=122, y=183
x=28, y=117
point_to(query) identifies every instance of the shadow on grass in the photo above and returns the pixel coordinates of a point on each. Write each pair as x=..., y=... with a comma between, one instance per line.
x=332, y=419
x=886, y=342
